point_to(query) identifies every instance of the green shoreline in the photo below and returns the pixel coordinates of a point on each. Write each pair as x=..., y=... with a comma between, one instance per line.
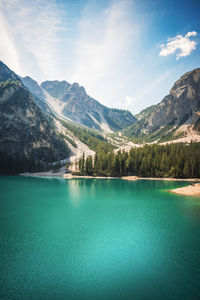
x=130, y=178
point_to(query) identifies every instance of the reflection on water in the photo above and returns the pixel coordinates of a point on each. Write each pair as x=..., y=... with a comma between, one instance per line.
x=191, y=208
x=97, y=239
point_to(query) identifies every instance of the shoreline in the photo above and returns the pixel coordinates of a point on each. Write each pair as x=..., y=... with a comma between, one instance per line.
x=70, y=176
x=133, y=178
x=172, y=179
x=190, y=190
x=130, y=178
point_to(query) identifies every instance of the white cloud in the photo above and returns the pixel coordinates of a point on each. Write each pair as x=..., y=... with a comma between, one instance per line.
x=191, y=33
x=130, y=100
x=8, y=51
x=31, y=33
x=103, y=46
x=128, y=103
x=179, y=43
x=96, y=48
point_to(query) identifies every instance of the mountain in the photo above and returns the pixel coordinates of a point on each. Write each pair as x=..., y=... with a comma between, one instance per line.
x=7, y=74
x=27, y=136
x=177, y=112
x=145, y=112
x=72, y=101
x=37, y=122
x=55, y=88
x=37, y=93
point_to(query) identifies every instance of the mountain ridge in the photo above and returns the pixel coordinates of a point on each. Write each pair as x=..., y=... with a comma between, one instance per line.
x=180, y=107
x=78, y=106
x=72, y=101
x=31, y=113
x=27, y=136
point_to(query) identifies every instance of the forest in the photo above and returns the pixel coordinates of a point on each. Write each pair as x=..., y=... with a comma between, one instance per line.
x=172, y=160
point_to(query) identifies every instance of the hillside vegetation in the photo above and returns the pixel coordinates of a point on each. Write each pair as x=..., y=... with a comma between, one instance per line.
x=174, y=160
x=91, y=138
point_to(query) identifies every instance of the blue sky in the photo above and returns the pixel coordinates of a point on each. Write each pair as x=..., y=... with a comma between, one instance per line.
x=126, y=53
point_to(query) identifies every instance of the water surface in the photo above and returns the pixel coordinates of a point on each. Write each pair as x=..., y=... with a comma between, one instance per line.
x=97, y=239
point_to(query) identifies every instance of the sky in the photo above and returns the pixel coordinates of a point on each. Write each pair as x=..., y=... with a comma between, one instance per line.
x=126, y=53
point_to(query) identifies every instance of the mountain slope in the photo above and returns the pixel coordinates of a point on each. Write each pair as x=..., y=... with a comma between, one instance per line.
x=72, y=101
x=145, y=112
x=176, y=112
x=37, y=93
x=27, y=137
x=6, y=73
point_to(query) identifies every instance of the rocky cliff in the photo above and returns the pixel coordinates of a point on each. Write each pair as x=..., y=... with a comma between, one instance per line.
x=27, y=137
x=72, y=101
x=37, y=93
x=180, y=107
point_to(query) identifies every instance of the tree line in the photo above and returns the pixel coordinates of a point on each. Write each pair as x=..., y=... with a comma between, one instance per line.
x=172, y=160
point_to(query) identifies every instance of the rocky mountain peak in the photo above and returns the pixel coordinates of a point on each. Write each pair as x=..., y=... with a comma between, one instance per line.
x=37, y=93
x=6, y=73
x=33, y=86
x=55, y=88
x=27, y=137
x=180, y=107
x=191, y=78
x=75, y=87
x=72, y=101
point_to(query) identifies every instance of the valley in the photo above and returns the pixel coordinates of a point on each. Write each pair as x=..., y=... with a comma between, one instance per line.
x=84, y=126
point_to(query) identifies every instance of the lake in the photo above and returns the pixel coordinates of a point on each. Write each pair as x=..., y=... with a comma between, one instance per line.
x=97, y=239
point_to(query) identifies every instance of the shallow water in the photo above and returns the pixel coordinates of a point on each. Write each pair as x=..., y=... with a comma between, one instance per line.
x=97, y=239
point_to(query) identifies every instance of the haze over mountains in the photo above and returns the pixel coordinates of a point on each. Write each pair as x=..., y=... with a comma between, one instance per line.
x=39, y=123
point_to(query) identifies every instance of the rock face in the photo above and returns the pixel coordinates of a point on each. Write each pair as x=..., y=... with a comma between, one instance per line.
x=27, y=137
x=181, y=106
x=145, y=112
x=79, y=107
x=55, y=88
x=37, y=93
x=6, y=73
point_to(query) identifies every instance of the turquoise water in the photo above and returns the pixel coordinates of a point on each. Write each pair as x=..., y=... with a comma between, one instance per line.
x=97, y=239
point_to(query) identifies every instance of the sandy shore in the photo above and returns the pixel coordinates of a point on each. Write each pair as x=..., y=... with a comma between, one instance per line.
x=190, y=190
x=131, y=178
